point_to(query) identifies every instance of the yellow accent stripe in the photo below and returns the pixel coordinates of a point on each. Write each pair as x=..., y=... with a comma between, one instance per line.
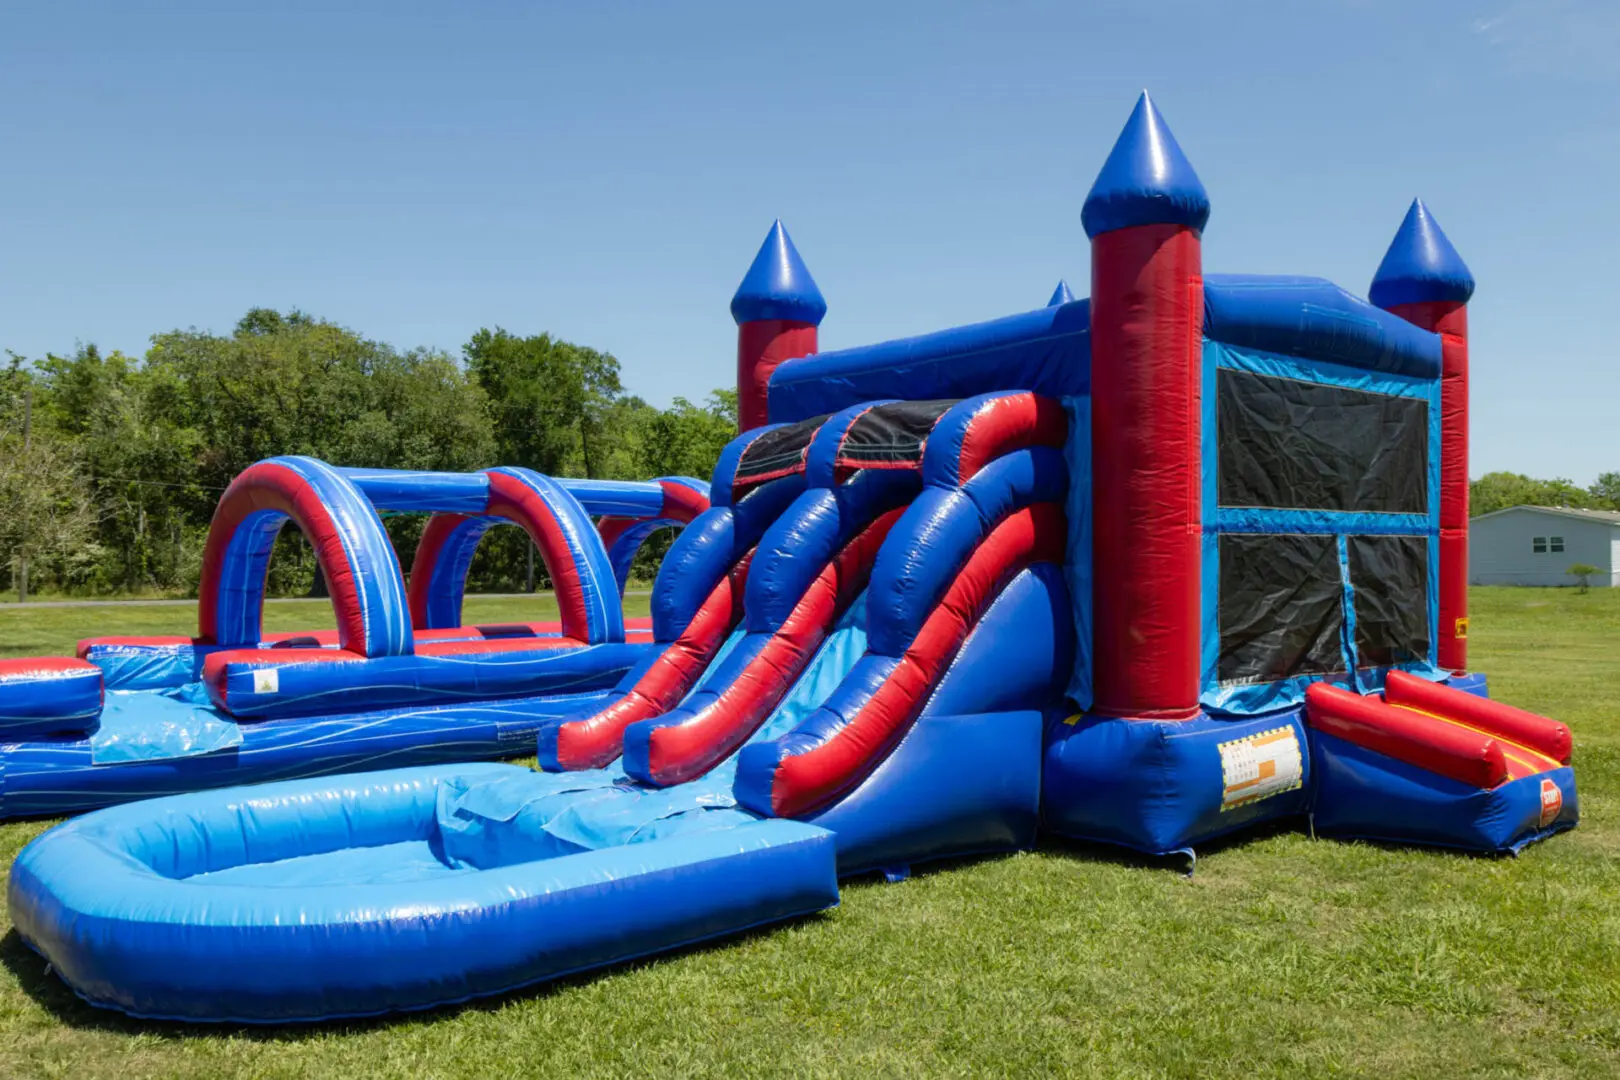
x=1533, y=760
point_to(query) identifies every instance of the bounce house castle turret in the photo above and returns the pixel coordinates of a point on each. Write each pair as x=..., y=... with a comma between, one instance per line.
x=1424, y=281
x=1144, y=216
x=1061, y=295
x=777, y=309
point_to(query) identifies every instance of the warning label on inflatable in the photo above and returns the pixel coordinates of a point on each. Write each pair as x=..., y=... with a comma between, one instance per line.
x=1552, y=802
x=1259, y=766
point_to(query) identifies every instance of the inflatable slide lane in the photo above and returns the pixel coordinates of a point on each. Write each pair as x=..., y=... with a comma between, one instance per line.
x=904, y=637
x=1428, y=763
x=400, y=681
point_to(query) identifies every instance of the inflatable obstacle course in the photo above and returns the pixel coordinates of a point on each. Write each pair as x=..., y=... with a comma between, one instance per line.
x=1145, y=568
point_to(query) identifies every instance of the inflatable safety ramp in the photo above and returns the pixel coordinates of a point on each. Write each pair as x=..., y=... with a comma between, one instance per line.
x=1426, y=763
x=389, y=891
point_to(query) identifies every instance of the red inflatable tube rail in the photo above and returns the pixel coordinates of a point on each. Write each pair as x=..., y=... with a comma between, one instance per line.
x=687, y=750
x=1538, y=733
x=1469, y=757
x=594, y=742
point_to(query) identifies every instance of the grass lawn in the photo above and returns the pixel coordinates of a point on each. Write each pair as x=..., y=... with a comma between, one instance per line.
x=1283, y=957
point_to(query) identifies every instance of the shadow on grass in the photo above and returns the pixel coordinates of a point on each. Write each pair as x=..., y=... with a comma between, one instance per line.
x=47, y=990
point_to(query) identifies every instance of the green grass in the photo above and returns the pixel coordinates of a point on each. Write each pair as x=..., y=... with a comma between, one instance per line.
x=1283, y=957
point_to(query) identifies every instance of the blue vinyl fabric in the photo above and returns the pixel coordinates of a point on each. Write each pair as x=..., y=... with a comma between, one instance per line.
x=1047, y=350
x=304, y=689
x=778, y=285
x=60, y=776
x=379, y=582
x=1312, y=317
x=160, y=725
x=421, y=491
x=1146, y=180
x=426, y=492
x=36, y=704
x=604, y=614
x=1420, y=265
x=1248, y=699
x=793, y=551
x=919, y=559
x=1158, y=786
x=1077, y=551
x=149, y=667
x=709, y=548
x=965, y=778
x=1363, y=793
x=447, y=586
x=157, y=909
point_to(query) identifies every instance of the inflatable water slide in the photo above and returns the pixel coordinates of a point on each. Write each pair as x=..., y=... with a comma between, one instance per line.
x=401, y=681
x=1142, y=569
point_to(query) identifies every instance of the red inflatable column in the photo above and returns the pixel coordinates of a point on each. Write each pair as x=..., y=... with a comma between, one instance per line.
x=1424, y=281
x=1145, y=215
x=777, y=309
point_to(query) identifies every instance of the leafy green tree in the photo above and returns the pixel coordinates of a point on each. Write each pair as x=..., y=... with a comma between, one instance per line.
x=1499, y=490
x=1605, y=492
x=536, y=391
x=45, y=506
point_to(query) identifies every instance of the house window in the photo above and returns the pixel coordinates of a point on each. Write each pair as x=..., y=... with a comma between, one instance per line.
x=1539, y=545
x=1557, y=543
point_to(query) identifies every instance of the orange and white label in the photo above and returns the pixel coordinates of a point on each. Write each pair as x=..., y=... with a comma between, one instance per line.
x=1552, y=802
x=1259, y=766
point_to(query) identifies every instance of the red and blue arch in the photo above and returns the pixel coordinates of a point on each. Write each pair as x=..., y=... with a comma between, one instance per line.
x=684, y=499
x=351, y=546
x=569, y=546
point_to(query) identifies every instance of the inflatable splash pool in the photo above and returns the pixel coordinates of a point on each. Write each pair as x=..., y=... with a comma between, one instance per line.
x=380, y=892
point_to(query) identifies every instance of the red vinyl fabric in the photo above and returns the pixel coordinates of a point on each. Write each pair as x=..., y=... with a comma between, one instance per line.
x=1449, y=319
x=804, y=782
x=1538, y=733
x=684, y=751
x=1461, y=753
x=1146, y=337
x=762, y=345
x=596, y=740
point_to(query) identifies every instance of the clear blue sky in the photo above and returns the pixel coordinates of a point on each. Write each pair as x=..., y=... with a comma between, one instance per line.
x=605, y=171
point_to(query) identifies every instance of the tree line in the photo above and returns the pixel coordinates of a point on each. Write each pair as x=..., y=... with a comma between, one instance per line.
x=110, y=465
x=1499, y=490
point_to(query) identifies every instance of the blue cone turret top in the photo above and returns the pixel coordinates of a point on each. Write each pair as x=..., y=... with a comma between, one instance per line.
x=1146, y=180
x=778, y=285
x=1420, y=265
x=1061, y=295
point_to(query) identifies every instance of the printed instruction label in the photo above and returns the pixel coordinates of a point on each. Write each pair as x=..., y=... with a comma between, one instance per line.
x=1259, y=766
x=266, y=681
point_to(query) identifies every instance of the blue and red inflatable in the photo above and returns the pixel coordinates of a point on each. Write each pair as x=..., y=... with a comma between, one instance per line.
x=1145, y=569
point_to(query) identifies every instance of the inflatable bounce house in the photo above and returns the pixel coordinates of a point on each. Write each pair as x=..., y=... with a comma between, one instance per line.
x=1143, y=569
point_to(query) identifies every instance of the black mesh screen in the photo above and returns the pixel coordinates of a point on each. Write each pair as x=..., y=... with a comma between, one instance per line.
x=891, y=435
x=1288, y=444
x=1391, y=579
x=1281, y=606
x=776, y=453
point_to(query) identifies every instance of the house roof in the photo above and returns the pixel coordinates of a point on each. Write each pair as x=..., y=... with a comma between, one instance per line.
x=1611, y=517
